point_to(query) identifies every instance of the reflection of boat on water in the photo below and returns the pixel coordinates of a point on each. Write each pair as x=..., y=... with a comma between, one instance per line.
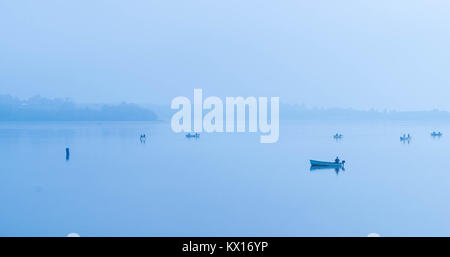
x=337, y=169
x=327, y=164
x=193, y=135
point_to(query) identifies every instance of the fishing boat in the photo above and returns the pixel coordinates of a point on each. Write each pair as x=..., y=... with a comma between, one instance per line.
x=405, y=137
x=193, y=135
x=436, y=134
x=337, y=136
x=143, y=138
x=315, y=167
x=327, y=164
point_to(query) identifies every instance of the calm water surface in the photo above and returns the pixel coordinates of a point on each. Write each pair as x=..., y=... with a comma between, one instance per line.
x=223, y=184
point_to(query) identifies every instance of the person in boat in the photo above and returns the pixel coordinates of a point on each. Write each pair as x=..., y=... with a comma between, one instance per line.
x=337, y=160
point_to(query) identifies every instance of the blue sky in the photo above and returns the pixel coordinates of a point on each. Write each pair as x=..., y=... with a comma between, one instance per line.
x=359, y=54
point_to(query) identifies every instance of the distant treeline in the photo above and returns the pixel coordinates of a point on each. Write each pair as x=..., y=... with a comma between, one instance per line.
x=300, y=112
x=43, y=109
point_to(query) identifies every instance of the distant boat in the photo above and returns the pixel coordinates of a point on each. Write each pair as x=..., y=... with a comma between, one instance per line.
x=327, y=164
x=405, y=138
x=436, y=134
x=337, y=136
x=193, y=135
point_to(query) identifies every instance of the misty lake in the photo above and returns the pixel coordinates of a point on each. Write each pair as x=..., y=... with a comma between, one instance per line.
x=223, y=184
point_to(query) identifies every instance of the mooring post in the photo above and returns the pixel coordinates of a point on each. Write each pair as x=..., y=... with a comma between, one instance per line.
x=67, y=153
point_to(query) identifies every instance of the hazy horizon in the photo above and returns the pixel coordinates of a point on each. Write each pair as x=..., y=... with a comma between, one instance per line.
x=39, y=108
x=161, y=105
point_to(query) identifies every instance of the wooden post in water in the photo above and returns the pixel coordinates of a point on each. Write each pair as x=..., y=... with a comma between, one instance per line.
x=67, y=153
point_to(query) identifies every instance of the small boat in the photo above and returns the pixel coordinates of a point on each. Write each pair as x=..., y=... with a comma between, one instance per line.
x=337, y=136
x=436, y=134
x=405, y=138
x=327, y=164
x=193, y=135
